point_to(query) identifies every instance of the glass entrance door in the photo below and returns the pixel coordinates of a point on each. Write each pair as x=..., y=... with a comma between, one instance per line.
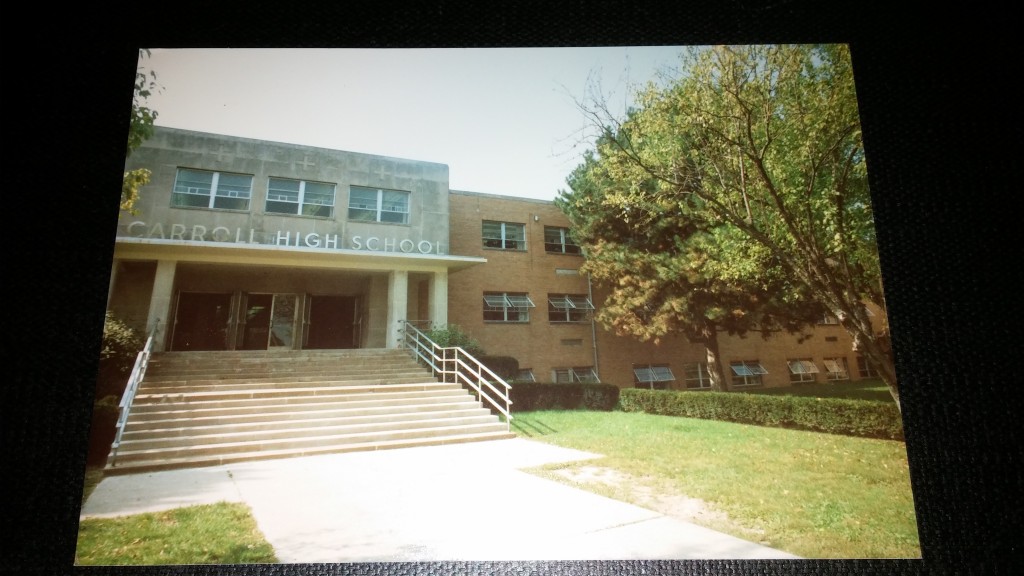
x=269, y=321
x=201, y=321
x=282, y=321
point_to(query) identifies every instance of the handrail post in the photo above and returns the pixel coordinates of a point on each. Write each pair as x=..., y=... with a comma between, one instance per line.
x=134, y=380
x=447, y=360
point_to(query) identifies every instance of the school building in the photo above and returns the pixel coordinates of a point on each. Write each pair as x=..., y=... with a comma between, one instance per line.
x=242, y=244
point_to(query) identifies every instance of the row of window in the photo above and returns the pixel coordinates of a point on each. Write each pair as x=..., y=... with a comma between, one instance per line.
x=562, y=375
x=512, y=236
x=224, y=191
x=696, y=375
x=514, y=307
x=748, y=373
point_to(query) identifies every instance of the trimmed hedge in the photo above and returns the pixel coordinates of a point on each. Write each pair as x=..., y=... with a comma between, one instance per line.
x=528, y=396
x=830, y=415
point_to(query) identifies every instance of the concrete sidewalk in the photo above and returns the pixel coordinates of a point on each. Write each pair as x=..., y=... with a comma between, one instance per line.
x=457, y=502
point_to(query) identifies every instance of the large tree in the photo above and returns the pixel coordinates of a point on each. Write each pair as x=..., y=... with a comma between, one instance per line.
x=140, y=128
x=750, y=161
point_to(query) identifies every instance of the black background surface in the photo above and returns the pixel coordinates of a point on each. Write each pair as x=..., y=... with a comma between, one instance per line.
x=940, y=129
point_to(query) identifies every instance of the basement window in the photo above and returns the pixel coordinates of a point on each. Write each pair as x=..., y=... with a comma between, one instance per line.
x=747, y=373
x=802, y=370
x=652, y=376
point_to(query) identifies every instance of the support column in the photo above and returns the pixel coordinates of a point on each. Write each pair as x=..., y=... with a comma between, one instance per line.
x=160, y=303
x=438, y=298
x=113, y=280
x=398, y=305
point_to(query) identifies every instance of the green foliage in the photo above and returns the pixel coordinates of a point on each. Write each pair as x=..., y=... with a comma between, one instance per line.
x=734, y=197
x=832, y=415
x=121, y=346
x=506, y=367
x=452, y=335
x=140, y=128
x=527, y=396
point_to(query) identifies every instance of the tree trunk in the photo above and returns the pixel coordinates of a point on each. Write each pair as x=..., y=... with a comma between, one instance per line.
x=714, y=359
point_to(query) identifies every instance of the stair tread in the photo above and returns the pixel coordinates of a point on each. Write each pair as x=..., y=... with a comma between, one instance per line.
x=203, y=408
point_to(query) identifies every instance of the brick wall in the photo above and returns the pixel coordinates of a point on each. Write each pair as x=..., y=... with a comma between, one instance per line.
x=543, y=346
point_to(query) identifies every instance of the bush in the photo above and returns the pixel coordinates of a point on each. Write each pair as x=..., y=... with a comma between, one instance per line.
x=831, y=415
x=506, y=367
x=121, y=346
x=452, y=335
x=528, y=396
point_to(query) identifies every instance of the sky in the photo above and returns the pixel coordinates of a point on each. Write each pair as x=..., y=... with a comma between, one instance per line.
x=505, y=120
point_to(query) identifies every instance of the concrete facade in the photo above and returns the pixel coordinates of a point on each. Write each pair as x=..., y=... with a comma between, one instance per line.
x=245, y=244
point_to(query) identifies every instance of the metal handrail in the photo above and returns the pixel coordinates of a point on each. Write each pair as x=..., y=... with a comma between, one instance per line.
x=125, y=407
x=460, y=365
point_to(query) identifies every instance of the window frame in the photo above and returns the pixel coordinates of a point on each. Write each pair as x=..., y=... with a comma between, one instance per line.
x=378, y=210
x=802, y=370
x=583, y=374
x=842, y=369
x=502, y=302
x=569, y=308
x=562, y=246
x=503, y=240
x=703, y=376
x=747, y=373
x=525, y=375
x=214, y=193
x=657, y=381
x=865, y=369
x=301, y=205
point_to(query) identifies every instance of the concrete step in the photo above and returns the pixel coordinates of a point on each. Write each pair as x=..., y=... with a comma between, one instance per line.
x=181, y=427
x=196, y=437
x=335, y=438
x=203, y=408
x=195, y=461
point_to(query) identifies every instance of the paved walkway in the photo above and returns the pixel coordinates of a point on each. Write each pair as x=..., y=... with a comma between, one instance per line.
x=459, y=502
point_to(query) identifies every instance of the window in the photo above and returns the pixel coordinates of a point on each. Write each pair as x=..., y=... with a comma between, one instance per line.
x=568, y=307
x=377, y=205
x=697, y=375
x=504, y=235
x=507, y=307
x=836, y=369
x=577, y=374
x=652, y=376
x=802, y=370
x=300, y=197
x=865, y=369
x=205, y=189
x=747, y=373
x=558, y=241
x=525, y=375
x=828, y=319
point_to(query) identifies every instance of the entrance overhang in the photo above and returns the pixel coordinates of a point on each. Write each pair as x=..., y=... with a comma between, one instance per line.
x=302, y=257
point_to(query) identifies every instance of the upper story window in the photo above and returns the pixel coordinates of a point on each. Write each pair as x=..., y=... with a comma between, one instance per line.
x=378, y=205
x=747, y=373
x=568, y=307
x=504, y=235
x=652, y=376
x=558, y=241
x=300, y=197
x=206, y=189
x=507, y=307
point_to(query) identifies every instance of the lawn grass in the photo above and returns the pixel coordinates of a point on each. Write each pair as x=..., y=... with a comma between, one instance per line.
x=223, y=533
x=814, y=495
